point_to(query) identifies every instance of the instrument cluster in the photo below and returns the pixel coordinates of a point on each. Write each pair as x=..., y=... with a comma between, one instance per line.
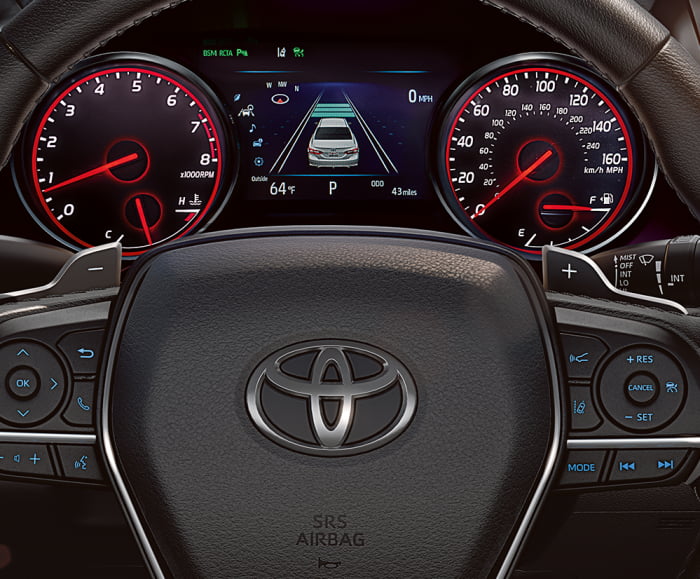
x=527, y=150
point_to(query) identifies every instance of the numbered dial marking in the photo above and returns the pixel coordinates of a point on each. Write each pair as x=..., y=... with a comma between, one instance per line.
x=128, y=151
x=539, y=153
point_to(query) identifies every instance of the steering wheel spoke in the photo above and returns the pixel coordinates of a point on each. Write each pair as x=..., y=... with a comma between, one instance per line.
x=50, y=348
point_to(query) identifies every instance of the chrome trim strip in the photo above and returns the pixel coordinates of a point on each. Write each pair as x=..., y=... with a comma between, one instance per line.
x=109, y=453
x=661, y=442
x=48, y=437
x=548, y=472
x=113, y=469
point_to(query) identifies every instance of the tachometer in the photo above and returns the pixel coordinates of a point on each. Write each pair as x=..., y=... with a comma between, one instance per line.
x=537, y=150
x=130, y=148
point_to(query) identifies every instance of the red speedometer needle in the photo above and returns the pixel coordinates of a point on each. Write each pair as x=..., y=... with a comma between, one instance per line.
x=546, y=155
x=142, y=219
x=96, y=171
x=566, y=208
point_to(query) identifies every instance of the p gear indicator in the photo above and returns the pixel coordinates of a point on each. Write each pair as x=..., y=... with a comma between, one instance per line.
x=536, y=151
x=126, y=149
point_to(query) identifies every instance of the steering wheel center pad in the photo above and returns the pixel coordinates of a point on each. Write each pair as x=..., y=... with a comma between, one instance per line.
x=219, y=499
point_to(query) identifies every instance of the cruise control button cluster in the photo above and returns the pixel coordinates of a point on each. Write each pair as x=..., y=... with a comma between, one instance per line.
x=34, y=380
x=610, y=467
x=642, y=388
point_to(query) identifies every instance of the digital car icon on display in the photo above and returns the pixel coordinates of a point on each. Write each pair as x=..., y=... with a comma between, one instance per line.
x=333, y=144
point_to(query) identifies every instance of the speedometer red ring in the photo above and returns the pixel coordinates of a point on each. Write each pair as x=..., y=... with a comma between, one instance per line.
x=562, y=69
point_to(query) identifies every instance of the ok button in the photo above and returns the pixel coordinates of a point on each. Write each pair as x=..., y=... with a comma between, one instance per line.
x=641, y=388
x=22, y=383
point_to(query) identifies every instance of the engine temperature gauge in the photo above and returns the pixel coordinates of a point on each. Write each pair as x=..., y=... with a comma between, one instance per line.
x=536, y=150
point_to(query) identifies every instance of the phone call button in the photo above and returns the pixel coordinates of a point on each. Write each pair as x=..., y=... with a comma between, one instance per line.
x=80, y=410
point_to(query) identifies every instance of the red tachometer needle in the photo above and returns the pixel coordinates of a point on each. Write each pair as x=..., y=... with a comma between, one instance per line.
x=546, y=155
x=142, y=219
x=96, y=171
x=566, y=208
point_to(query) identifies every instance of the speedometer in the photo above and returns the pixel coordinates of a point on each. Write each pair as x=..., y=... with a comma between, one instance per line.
x=537, y=150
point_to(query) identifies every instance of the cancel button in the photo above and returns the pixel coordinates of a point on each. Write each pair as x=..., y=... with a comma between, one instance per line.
x=641, y=388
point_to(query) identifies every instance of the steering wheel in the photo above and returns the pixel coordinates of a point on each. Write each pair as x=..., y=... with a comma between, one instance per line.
x=294, y=401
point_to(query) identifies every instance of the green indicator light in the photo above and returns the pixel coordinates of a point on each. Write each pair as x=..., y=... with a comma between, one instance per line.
x=224, y=52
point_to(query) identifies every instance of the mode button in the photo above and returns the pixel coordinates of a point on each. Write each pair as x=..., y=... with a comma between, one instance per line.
x=582, y=467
